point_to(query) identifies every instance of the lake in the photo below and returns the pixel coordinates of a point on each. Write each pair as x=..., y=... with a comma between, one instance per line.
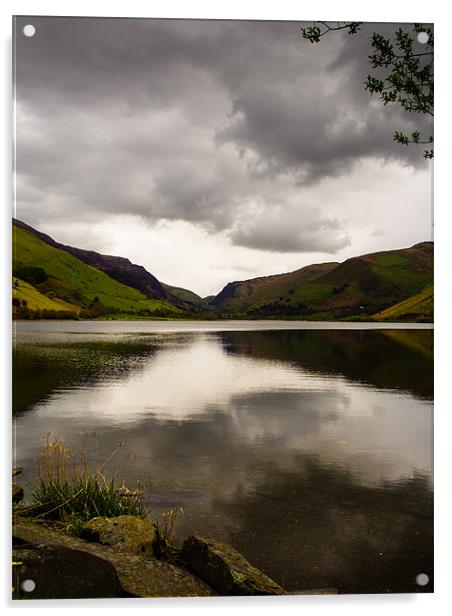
x=307, y=446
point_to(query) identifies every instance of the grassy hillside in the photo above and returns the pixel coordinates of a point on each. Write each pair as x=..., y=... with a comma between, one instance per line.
x=418, y=307
x=27, y=296
x=394, y=285
x=189, y=298
x=357, y=288
x=58, y=275
x=258, y=293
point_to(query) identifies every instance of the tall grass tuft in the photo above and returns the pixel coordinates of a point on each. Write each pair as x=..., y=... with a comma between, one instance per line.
x=68, y=491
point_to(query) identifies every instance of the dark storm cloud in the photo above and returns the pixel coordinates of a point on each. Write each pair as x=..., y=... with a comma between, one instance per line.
x=217, y=123
x=315, y=130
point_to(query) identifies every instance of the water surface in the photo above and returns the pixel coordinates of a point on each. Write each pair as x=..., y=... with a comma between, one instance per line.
x=306, y=446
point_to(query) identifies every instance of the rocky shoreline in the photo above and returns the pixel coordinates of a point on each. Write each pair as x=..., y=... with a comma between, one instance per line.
x=115, y=558
x=125, y=556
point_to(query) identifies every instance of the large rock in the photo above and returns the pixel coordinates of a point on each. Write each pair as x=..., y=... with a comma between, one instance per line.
x=124, y=532
x=138, y=576
x=59, y=572
x=225, y=569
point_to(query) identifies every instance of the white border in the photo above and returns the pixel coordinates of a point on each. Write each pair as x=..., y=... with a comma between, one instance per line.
x=383, y=10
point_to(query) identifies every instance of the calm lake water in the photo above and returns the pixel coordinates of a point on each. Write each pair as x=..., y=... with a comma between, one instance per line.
x=307, y=446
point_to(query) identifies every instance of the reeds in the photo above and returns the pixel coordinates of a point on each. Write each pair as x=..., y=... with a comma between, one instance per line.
x=68, y=491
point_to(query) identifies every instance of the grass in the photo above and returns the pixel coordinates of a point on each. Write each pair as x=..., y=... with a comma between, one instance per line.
x=77, y=283
x=417, y=307
x=404, y=278
x=25, y=292
x=67, y=491
x=390, y=259
x=68, y=495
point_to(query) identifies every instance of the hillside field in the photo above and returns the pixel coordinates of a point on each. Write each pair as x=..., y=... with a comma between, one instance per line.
x=58, y=275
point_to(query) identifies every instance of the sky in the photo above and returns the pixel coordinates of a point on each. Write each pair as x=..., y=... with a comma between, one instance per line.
x=212, y=151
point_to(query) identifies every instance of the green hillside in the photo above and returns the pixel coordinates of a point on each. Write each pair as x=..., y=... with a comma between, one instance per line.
x=356, y=289
x=189, y=298
x=26, y=296
x=418, y=307
x=258, y=293
x=58, y=275
x=56, y=281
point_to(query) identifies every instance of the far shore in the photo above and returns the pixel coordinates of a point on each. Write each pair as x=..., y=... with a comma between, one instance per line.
x=252, y=324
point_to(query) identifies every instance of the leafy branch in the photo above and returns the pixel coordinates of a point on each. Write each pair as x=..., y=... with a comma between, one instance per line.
x=409, y=80
x=314, y=33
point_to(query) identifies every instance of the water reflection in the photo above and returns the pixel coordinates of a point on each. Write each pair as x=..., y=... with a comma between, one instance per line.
x=393, y=359
x=270, y=440
x=322, y=528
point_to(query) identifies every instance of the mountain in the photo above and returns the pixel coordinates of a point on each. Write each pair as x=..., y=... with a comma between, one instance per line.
x=118, y=268
x=357, y=288
x=53, y=280
x=43, y=271
x=258, y=293
x=188, y=298
x=127, y=273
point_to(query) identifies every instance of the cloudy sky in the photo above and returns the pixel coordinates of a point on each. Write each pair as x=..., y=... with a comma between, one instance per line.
x=211, y=151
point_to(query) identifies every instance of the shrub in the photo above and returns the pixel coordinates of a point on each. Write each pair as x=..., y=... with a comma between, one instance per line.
x=70, y=492
x=32, y=275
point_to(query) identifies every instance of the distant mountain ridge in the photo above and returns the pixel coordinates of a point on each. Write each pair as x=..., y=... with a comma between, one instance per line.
x=48, y=280
x=233, y=290
x=118, y=268
x=360, y=286
x=388, y=285
x=125, y=272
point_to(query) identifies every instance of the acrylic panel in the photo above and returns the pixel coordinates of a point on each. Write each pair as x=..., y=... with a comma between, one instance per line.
x=222, y=301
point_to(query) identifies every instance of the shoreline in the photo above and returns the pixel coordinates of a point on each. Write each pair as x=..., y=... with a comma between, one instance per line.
x=245, y=324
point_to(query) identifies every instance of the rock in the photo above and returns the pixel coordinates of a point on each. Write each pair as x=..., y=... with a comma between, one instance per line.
x=18, y=493
x=125, y=532
x=59, y=572
x=225, y=569
x=138, y=576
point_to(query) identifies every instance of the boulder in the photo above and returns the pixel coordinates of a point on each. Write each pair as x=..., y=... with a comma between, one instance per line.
x=225, y=569
x=59, y=572
x=124, y=532
x=138, y=576
x=18, y=493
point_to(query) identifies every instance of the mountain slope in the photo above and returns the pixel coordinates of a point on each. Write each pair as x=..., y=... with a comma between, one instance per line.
x=118, y=268
x=27, y=296
x=188, y=298
x=56, y=273
x=358, y=287
x=260, y=292
x=390, y=285
x=415, y=308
